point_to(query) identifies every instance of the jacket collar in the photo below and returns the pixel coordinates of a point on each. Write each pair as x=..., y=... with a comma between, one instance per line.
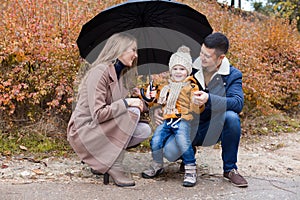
x=223, y=70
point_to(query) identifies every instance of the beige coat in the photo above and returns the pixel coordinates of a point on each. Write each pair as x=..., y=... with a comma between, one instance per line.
x=101, y=126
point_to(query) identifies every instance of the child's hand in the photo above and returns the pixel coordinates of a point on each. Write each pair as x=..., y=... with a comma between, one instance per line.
x=152, y=93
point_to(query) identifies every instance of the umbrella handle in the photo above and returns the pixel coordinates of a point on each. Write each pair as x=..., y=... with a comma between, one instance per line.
x=143, y=92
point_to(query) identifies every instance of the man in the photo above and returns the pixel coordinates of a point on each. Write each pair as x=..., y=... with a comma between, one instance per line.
x=223, y=98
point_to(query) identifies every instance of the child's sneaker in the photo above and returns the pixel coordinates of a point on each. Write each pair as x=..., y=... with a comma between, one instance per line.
x=190, y=176
x=154, y=170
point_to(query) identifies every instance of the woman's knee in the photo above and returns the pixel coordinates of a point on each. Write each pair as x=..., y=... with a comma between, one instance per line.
x=143, y=130
x=135, y=110
x=141, y=133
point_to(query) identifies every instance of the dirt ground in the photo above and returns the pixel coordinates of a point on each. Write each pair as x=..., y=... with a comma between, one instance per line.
x=271, y=164
x=269, y=156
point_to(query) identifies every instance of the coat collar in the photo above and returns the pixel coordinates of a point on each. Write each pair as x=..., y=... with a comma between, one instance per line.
x=112, y=72
x=119, y=91
x=223, y=70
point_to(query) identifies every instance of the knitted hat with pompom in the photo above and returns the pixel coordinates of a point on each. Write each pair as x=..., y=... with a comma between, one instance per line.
x=182, y=57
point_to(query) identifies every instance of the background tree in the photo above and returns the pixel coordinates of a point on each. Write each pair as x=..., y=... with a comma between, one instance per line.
x=232, y=4
x=288, y=9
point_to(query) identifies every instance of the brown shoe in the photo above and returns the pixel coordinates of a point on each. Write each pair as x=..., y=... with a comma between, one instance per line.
x=235, y=178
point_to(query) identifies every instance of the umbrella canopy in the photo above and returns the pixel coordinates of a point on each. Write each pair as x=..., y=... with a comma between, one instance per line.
x=160, y=27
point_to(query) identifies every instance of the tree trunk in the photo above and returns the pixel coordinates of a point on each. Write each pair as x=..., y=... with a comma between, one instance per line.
x=232, y=3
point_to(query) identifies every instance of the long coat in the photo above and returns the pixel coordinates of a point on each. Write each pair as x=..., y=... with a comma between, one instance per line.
x=100, y=127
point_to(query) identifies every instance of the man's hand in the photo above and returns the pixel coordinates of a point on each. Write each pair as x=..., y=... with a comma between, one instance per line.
x=200, y=98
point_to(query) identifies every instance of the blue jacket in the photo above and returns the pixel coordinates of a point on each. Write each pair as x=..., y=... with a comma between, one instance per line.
x=225, y=89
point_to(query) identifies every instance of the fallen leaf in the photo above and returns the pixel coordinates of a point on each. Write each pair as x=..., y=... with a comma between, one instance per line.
x=3, y=166
x=23, y=147
x=6, y=153
x=38, y=171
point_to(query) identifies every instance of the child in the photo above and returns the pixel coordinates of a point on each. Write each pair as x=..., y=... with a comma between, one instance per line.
x=176, y=99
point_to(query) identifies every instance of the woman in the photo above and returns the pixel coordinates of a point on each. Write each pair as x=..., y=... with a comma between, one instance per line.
x=105, y=120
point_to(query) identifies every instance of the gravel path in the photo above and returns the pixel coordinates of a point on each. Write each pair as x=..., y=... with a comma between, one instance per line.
x=271, y=164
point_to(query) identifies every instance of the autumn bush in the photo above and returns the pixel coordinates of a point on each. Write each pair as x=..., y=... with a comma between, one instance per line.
x=40, y=59
x=267, y=51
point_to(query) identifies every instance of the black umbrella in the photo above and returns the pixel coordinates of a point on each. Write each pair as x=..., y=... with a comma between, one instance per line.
x=160, y=27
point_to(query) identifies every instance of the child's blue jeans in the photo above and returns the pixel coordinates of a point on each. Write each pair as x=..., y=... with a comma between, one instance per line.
x=180, y=132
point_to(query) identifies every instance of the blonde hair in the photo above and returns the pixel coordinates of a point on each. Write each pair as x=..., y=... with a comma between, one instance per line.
x=117, y=44
x=114, y=47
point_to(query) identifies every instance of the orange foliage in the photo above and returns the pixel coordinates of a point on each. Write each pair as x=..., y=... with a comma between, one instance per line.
x=266, y=50
x=40, y=60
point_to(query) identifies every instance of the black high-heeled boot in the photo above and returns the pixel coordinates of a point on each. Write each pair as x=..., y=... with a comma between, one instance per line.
x=106, y=179
x=95, y=172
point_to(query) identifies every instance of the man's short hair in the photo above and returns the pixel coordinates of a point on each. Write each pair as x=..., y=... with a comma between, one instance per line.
x=217, y=41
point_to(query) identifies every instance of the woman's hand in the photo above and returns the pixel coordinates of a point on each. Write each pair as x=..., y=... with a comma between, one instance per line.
x=135, y=102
